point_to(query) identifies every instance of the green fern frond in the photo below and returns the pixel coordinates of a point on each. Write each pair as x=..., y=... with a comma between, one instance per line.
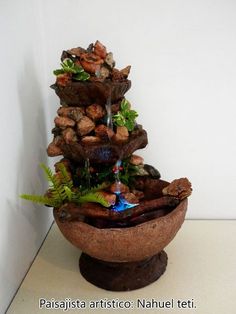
x=53, y=180
x=95, y=197
x=40, y=199
x=68, y=193
x=66, y=179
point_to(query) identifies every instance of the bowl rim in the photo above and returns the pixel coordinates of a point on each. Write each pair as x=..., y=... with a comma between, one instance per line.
x=183, y=207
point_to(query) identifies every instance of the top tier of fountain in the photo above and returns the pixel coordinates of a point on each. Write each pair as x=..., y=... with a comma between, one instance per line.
x=95, y=121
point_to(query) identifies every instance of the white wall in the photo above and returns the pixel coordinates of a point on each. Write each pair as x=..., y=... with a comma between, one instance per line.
x=23, y=142
x=183, y=73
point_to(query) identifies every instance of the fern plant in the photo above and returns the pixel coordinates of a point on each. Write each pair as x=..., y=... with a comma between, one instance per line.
x=61, y=190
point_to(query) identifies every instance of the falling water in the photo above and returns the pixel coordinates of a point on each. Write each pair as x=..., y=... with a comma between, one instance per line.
x=122, y=203
x=117, y=176
x=109, y=113
x=87, y=172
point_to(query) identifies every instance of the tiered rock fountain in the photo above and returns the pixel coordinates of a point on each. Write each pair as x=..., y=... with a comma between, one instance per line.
x=125, y=214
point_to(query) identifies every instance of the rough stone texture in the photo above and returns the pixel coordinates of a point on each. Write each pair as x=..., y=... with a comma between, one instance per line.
x=87, y=93
x=104, y=152
x=125, y=244
x=123, y=276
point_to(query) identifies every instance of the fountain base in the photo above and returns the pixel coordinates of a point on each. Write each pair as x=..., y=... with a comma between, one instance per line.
x=122, y=276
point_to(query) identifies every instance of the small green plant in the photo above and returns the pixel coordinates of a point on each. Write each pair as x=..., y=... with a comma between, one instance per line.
x=125, y=117
x=68, y=66
x=61, y=190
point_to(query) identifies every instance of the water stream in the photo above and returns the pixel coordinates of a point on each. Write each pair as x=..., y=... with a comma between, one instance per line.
x=109, y=113
x=87, y=173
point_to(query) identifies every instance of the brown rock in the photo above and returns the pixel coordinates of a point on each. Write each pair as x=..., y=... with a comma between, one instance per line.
x=119, y=187
x=130, y=198
x=85, y=126
x=91, y=62
x=104, y=73
x=53, y=150
x=90, y=139
x=103, y=132
x=119, y=75
x=100, y=50
x=95, y=111
x=122, y=134
x=138, y=194
x=109, y=60
x=125, y=71
x=180, y=188
x=69, y=135
x=58, y=140
x=63, y=161
x=76, y=51
x=136, y=160
x=64, y=122
x=109, y=197
x=63, y=79
x=74, y=113
x=115, y=108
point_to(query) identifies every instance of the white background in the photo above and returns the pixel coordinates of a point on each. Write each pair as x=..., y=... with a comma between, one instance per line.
x=183, y=86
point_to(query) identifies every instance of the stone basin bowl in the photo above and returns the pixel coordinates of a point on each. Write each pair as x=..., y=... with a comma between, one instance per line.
x=104, y=152
x=125, y=244
x=87, y=93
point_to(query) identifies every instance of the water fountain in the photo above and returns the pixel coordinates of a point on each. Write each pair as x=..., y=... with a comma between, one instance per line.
x=106, y=200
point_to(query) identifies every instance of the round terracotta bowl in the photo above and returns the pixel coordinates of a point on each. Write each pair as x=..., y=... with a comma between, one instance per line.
x=125, y=244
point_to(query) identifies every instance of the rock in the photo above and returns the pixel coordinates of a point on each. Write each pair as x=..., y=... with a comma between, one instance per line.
x=63, y=161
x=109, y=197
x=115, y=108
x=138, y=194
x=58, y=140
x=136, y=160
x=119, y=187
x=53, y=150
x=100, y=50
x=122, y=134
x=119, y=75
x=109, y=60
x=95, y=112
x=91, y=62
x=69, y=135
x=153, y=172
x=180, y=188
x=85, y=126
x=90, y=139
x=104, y=73
x=103, y=132
x=56, y=131
x=64, y=122
x=130, y=198
x=125, y=71
x=76, y=51
x=74, y=113
x=63, y=79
